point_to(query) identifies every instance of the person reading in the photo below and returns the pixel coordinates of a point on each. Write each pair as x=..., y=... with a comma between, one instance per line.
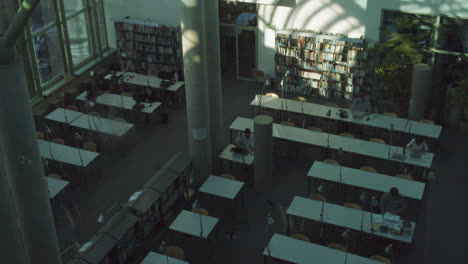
x=361, y=105
x=392, y=202
x=417, y=146
x=245, y=142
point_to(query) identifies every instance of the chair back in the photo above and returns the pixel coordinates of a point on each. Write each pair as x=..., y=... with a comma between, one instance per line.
x=300, y=99
x=94, y=114
x=90, y=146
x=40, y=135
x=120, y=119
x=126, y=94
x=55, y=176
x=286, y=123
x=228, y=176
x=175, y=252
x=330, y=104
x=381, y=259
x=369, y=169
x=72, y=107
x=257, y=74
x=427, y=121
x=337, y=247
x=349, y=135
x=202, y=211
x=58, y=141
x=318, y=129
x=390, y=114
x=317, y=197
x=377, y=140
x=272, y=95
x=404, y=176
x=331, y=161
x=353, y=205
x=300, y=237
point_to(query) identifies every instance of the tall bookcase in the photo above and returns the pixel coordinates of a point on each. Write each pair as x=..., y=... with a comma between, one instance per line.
x=320, y=65
x=149, y=46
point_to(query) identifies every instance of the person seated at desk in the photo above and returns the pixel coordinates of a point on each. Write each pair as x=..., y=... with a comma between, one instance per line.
x=417, y=145
x=392, y=202
x=245, y=142
x=361, y=105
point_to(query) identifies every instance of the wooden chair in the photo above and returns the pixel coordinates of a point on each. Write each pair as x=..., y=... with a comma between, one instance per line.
x=337, y=247
x=390, y=114
x=126, y=94
x=332, y=105
x=258, y=75
x=228, y=176
x=286, y=123
x=301, y=99
x=120, y=119
x=369, y=169
x=90, y=146
x=318, y=129
x=377, y=140
x=40, y=135
x=404, y=176
x=94, y=114
x=317, y=197
x=72, y=107
x=58, y=141
x=202, y=211
x=55, y=176
x=272, y=95
x=300, y=237
x=347, y=135
x=353, y=205
x=331, y=161
x=175, y=252
x=427, y=121
x=381, y=259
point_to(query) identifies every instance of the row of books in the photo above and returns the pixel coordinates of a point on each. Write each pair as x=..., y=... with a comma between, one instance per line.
x=329, y=92
x=155, y=39
x=324, y=66
x=153, y=48
x=158, y=58
x=147, y=29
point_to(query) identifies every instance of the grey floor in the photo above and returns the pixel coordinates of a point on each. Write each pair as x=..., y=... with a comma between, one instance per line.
x=440, y=234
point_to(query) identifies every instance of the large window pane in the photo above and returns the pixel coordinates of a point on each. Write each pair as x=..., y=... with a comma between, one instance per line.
x=79, y=38
x=49, y=58
x=238, y=13
x=44, y=15
x=72, y=6
x=102, y=25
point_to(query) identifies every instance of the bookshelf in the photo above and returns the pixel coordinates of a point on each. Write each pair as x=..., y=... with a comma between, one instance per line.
x=320, y=65
x=149, y=46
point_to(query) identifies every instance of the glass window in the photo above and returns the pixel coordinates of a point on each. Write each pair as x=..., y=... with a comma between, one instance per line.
x=238, y=13
x=72, y=6
x=48, y=54
x=44, y=15
x=79, y=38
x=102, y=25
x=451, y=37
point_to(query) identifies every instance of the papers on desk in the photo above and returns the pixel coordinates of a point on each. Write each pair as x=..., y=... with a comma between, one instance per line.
x=135, y=196
x=85, y=246
x=391, y=217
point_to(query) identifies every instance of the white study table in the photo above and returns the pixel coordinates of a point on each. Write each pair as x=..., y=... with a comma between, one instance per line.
x=342, y=216
x=246, y=159
x=153, y=81
x=66, y=154
x=120, y=101
x=365, y=179
x=352, y=145
x=302, y=252
x=189, y=223
x=55, y=186
x=221, y=187
x=156, y=258
x=375, y=120
x=89, y=122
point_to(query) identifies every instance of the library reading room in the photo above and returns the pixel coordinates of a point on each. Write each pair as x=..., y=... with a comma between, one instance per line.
x=233, y=131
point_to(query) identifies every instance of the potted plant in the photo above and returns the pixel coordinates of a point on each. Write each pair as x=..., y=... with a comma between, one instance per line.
x=459, y=95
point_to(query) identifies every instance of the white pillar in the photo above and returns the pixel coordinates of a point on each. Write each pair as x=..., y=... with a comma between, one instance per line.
x=214, y=79
x=420, y=90
x=194, y=53
x=263, y=140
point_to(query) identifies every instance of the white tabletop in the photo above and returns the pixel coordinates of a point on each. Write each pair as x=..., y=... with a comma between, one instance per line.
x=66, y=154
x=302, y=252
x=154, y=82
x=222, y=187
x=365, y=179
x=375, y=120
x=63, y=115
x=120, y=101
x=102, y=125
x=342, y=216
x=156, y=258
x=55, y=186
x=352, y=145
x=246, y=159
x=189, y=223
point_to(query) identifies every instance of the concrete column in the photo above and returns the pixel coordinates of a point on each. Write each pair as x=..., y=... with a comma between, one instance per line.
x=11, y=247
x=263, y=140
x=214, y=80
x=24, y=167
x=194, y=53
x=420, y=90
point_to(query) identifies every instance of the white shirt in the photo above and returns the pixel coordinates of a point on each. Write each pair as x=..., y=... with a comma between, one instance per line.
x=417, y=147
x=361, y=105
x=245, y=142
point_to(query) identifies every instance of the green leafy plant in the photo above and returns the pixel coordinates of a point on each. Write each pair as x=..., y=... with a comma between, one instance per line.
x=459, y=94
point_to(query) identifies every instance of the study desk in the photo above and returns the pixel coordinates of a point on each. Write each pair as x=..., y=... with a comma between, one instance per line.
x=302, y=252
x=365, y=179
x=230, y=155
x=221, y=187
x=120, y=101
x=325, y=140
x=94, y=123
x=146, y=80
x=189, y=223
x=375, y=120
x=55, y=186
x=66, y=154
x=342, y=216
x=156, y=258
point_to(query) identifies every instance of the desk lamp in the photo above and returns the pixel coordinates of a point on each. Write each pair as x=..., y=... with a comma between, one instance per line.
x=346, y=235
x=62, y=95
x=391, y=140
x=340, y=157
x=328, y=131
x=196, y=205
x=270, y=222
x=162, y=249
x=389, y=251
x=321, y=189
x=78, y=140
x=364, y=197
x=48, y=133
